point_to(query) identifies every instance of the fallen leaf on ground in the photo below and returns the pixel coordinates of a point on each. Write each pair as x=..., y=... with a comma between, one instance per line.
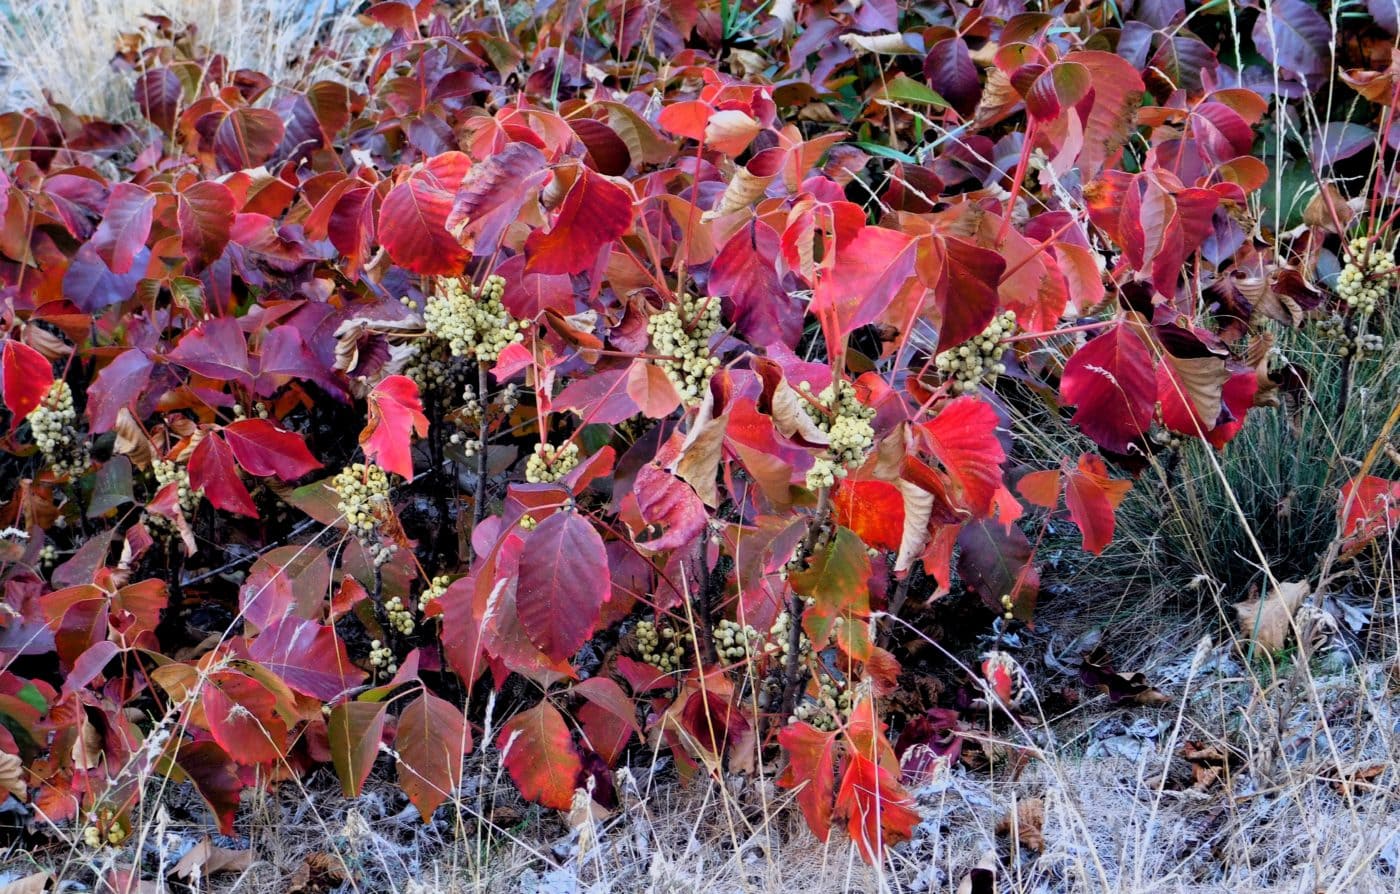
x=982, y=879
x=1267, y=622
x=37, y=883
x=318, y=872
x=1028, y=824
x=207, y=858
x=1097, y=670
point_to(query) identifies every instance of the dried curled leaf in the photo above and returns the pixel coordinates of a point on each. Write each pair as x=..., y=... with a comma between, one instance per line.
x=1267, y=622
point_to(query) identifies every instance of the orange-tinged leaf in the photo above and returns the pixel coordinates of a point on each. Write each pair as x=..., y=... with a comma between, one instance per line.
x=1041, y=488
x=431, y=741
x=1092, y=498
x=874, y=510
x=395, y=413
x=540, y=756
x=838, y=579
x=651, y=389
x=811, y=765
x=594, y=213
x=878, y=810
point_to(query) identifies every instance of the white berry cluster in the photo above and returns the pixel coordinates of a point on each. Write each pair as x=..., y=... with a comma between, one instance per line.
x=550, y=463
x=168, y=471
x=682, y=335
x=846, y=422
x=975, y=362
x=364, y=499
x=664, y=648
x=260, y=410
x=431, y=365
x=528, y=523
x=93, y=836
x=829, y=707
x=381, y=658
x=735, y=641
x=436, y=587
x=1334, y=329
x=53, y=424
x=779, y=639
x=400, y=618
x=472, y=319
x=48, y=555
x=1367, y=277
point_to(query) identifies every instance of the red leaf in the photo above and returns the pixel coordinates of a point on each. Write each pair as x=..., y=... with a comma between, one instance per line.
x=26, y=376
x=492, y=195
x=1092, y=498
x=668, y=501
x=263, y=449
x=158, y=93
x=867, y=275
x=812, y=765
x=308, y=656
x=217, y=349
x=564, y=584
x=215, y=777
x=116, y=387
x=243, y=718
x=1112, y=383
x=874, y=510
x=431, y=741
x=540, y=756
x=745, y=271
x=413, y=218
x=686, y=119
x=594, y=213
x=967, y=292
x=609, y=718
x=245, y=138
x=963, y=437
x=1368, y=507
x=205, y=214
x=125, y=226
x=651, y=389
x=212, y=469
x=395, y=412
x=878, y=810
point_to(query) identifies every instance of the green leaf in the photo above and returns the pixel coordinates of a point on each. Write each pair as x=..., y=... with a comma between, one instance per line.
x=111, y=487
x=838, y=579
x=884, y=151
x=907, y=90
x=31, y=696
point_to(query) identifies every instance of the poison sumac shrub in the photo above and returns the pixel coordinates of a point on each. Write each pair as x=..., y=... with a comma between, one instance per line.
x=665, y=381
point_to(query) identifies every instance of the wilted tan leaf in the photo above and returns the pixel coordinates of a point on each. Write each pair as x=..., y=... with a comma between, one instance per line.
x=37, y=883
x=46, y=343
x=318, y=872
x=1028, y=823
x=12, y=775
x=132, y=441
x=1200, y=379
x=699, y=462
x=790, y=417
x=206, y=858
x=87, y=748
x=882, y=44
x=1267, y=622
x=1319, y=210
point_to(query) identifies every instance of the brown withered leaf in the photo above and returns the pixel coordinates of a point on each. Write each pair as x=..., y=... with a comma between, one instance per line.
x=132, y=441
x=37, y=883
x=1268, y=622
x=206, y=859
x=1320, y=208
x=318, y=872
x=1096, y=670
x=1359, y=779
x=1027, y=824
x=12, y=775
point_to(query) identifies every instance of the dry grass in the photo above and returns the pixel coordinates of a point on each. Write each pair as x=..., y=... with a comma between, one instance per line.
x=62, y=49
